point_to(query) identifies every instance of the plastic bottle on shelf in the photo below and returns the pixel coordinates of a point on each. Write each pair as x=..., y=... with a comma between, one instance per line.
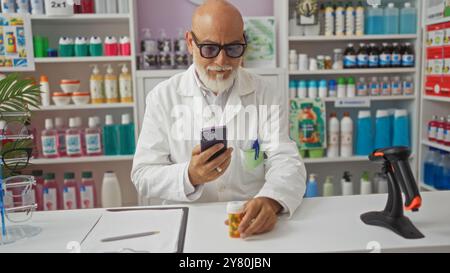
x=111, y=46
x=166, y=57
x=321, y=19
x=111, y=194
x=440, y=135
x=361, y=87
x=127, y=137
x=8, y=6
x=386, y=55
x=95, y=46
x=386, y=89
x=61, y=130
x=396, y=86
x=364, y=134
x=360, y=19
x=401, y=136
x=111, y=6
x=329, y=20
x=447, y=132
x=338, y=62
x=45, y=91
x=366, y=185
x=124, y=46
x=123, y=6
x=374, y=20
x=293, y=89
x=347, y=184
x=302, y=90
x=37, y=7
x=328, y=187
x=125, y=85
x=93, y=138
x=52, y=194
x=71, y=192
x=323, y=89
x=350, y=57
x=110, y=137
x=351, y=88
x=96, y=86
x=433, y=129
x=439, y=171
x=340, y=19
x=396, y=60
x=346, y=136
x=408, y=58
x=312, y=89
x=333, y=136
x=408, y=86
x=311, y=187
x=341, y=88
x=408, y=19
x=429, y=164
x=446, y=173
x=383, y=130
x=350, y=14
x=88, y=192
x=23, y=6
x=87, y=6
x=375, y=89
x=362, y=56
x=111, y=89
x=182, y=59
x=391, y=19
x=100, y=6
x=374, y=56
x=332, y=89
x=73, y=139
x=49, y=140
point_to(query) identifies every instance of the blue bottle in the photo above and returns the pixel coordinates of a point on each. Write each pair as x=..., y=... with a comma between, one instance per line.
x=364, y=134
x=438, y=175
x=428, y=169
x=332, y=88
x=401, y=129
x=446, y=173
x=408, y=19
x=111, y=137
x=127, y=143
x=391, y=19
x=312, y=189
x=374, y=21
x=383, y=130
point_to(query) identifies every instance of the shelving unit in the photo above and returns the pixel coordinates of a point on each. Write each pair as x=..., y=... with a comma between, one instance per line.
x=79, y=160
x=84, y=107
x=83, y=59
x=309, y=45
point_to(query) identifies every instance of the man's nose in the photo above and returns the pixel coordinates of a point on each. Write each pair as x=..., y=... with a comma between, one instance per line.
x=221, y=59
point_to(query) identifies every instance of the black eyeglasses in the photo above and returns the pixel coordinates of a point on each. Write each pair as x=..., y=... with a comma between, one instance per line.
x=212, y=50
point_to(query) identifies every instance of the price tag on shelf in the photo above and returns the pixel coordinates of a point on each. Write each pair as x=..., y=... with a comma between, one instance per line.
x=59, y=7
x=352, y=103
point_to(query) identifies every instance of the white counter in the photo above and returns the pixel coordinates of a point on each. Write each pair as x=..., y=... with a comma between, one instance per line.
x=319, y=225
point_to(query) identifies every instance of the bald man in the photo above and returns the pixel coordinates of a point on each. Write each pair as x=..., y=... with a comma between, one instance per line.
x=260, y=166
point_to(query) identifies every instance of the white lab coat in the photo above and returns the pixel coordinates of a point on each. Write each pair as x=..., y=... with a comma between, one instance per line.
x=162, y=157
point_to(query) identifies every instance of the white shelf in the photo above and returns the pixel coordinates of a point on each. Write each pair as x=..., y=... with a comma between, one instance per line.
x=427, y=187
x=436, y=145
x=81, y=18
x=83, y=59
x=70, y=160
x=167, y=73
x=436, y=98
x=351, y=38
x=355, y=71
x=373, y=98
x=437, y=21
x=336, y=160
x=83, y=107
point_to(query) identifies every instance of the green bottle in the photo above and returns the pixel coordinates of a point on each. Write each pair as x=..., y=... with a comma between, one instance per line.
x=111, y=137
x=127, y=143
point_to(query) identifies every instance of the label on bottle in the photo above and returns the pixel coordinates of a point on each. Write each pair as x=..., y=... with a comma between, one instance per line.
x=49, y=147
x=362, y=89
x=73, y=144
x=374, y=89
x=408, y=88
x=396, y=88
x=346, y=139
x=408, y=60
x=126, y=91
x=432, y=132
x=386, y=89
x=363, y=60
x=396, y=59
x=350, y=61
x=87, y=197
x=447, y=137
x=385, y=59
x=97, y=95
x=440, y=134
x=334, y=139
x=111, y=91
x=50, y=202
x=70, y=199
x=93, y=144
x=374, y=61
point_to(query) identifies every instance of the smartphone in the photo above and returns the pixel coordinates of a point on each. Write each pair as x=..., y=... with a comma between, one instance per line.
x=212, y=136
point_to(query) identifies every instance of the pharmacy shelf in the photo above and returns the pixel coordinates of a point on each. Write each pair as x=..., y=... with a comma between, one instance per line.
x=437, y=98
x=90, y=159
x=436, y=145
x=351, y=38
x=81, y=18
x=372, y=98
x=437, y=21
x=427, y=187
x=336, y=160
x=167, y=73
x=354, y=71
x=84, y=107
x=52, y=60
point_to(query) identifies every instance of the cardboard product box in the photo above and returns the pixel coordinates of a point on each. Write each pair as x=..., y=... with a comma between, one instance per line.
x=436, y=35
x=435, y=61
x=434, y=85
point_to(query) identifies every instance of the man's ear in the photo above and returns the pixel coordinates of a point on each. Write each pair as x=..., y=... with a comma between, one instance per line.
x=189, y=42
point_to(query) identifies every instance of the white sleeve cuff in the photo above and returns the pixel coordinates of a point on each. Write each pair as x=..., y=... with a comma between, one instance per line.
x=192, y=193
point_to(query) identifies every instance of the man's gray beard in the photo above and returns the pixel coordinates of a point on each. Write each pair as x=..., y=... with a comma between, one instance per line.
x=218, y=85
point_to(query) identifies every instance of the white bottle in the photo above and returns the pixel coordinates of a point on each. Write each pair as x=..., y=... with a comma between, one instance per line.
x=323, y=89
x=45, y=91
x=360, y=13
x=329, y=20
x=341, y=89
x=124, y=6
x=347, y=184
x=8, y=6
x=340, y=20
x=351, y=88
x=366, y=185
x=37, y=7
x=381, y=184
x=302, y=90
x=333, y=136
x=111, y=194
x=111, y=6
x=100, y=6
x=350, y=20
x=23, y=6
x=312, y=90
x=346, y=136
